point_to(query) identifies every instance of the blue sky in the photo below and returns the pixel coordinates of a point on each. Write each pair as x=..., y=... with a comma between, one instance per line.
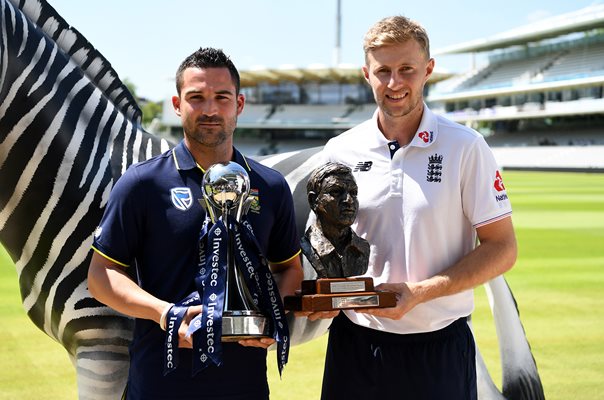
x=145, y=40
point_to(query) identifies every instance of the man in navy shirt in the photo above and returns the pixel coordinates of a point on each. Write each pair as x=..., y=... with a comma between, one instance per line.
x=152, y=223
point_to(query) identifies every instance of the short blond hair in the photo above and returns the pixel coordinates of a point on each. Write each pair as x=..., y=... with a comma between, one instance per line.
x=395, y=30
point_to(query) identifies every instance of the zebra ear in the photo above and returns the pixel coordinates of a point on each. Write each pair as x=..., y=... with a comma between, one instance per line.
x=75, y=46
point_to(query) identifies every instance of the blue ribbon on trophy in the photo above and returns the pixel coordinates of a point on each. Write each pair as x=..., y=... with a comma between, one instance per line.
x=211, y=285
x=256, y=271
x=234, y=283
x=173, y=321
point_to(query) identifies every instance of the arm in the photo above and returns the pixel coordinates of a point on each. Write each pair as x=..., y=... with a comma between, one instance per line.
x=109, y=284
x=494, y=256
x=289, y=275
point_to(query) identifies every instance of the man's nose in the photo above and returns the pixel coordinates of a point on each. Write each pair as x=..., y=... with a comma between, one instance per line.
x=209, y=108
x=395, y=80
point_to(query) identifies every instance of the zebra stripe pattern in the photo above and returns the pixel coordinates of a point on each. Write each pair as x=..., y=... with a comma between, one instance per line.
x=68, y=129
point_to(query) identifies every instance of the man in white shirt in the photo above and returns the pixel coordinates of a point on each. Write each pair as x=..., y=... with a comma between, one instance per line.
x=428, y=190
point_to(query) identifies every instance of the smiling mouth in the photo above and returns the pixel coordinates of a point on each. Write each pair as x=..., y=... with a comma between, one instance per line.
x=397, y=97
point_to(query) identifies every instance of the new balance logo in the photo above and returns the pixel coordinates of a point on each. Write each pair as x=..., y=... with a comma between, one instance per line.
x=363, y=166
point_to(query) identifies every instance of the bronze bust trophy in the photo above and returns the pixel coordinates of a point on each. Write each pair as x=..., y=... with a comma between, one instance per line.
x=337, y=254
x=330, y=245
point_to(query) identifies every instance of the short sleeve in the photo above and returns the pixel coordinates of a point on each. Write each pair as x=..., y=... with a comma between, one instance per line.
x=119, y=232
x=284, y=242
x=484, y=196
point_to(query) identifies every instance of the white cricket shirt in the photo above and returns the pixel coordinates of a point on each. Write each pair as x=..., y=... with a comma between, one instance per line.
x=419, y=207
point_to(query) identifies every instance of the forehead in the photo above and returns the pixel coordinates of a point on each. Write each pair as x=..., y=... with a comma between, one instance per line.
x=218, y=79
x=409, y=52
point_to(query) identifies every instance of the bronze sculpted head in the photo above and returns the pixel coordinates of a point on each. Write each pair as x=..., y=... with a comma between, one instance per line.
x=330, y=245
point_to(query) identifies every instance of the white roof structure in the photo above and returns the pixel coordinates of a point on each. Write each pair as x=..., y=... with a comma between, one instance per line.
x=585, y=19
x=523, y=63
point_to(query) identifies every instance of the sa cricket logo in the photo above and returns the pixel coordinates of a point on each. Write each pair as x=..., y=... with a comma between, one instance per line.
x=182, y=198
x=255, y=206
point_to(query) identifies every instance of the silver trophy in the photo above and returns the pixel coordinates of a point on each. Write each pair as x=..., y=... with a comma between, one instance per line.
x=226, y=188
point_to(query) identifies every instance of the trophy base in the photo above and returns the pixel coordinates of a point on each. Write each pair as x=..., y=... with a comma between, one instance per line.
x=243, y=324
x=328, y=294
x=330, y=302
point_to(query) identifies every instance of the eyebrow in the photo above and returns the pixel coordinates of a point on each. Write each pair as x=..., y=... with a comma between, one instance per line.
x=223, y=92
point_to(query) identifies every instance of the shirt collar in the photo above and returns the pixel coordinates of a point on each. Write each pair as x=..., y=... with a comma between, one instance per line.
x=426, y=132
x=324, y=247
x=183, y=159
x=319, y=242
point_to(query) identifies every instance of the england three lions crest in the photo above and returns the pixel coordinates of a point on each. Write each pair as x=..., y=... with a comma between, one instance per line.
x=182, y=198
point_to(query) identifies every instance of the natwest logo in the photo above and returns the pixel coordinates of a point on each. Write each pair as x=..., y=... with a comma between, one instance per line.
x=498, y=184
x=425, y=136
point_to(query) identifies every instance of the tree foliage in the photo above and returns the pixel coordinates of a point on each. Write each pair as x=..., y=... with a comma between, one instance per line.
x=150, y=109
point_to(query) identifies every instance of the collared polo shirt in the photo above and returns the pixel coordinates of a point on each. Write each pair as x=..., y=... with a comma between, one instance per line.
x=419, y=207
x=152, y=222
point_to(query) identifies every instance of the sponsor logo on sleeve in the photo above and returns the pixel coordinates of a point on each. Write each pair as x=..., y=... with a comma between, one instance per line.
x=500, y=188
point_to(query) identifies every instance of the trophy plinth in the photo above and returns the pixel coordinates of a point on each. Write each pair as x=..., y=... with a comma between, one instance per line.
x=327, y=294
x=226, y=189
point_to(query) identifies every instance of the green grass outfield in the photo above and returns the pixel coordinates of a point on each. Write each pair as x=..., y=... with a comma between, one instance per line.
x=558, y=283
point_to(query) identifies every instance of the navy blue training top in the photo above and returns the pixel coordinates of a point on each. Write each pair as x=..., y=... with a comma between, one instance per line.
x=152, y=222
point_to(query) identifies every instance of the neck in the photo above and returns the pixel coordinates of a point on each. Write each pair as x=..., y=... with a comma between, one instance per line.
x=207, y=156
x=338, y=236
x=403, y=128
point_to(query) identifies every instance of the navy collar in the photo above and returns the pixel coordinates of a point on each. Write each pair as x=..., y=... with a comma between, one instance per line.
x=183, y=159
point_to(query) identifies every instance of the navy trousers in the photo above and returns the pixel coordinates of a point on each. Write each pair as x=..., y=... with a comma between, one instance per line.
x=367, y=364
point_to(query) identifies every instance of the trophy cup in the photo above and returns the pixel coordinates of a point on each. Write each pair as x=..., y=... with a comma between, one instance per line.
x=334, y=250
x=226, y=188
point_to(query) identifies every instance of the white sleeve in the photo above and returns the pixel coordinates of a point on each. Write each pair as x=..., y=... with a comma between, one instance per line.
x=484, y=195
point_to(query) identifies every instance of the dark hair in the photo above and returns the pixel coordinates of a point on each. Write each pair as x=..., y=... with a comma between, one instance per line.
x=319, y=174
x=208, y=57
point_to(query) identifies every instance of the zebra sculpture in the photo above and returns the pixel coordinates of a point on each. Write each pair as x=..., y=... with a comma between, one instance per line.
x=68, y=129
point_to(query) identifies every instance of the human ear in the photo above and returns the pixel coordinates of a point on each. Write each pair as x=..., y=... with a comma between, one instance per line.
x=176, y=104
x=312, y=200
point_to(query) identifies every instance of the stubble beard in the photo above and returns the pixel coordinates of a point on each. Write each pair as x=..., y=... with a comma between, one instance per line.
x=207, y=138
x=398, y=112
x=211, y=138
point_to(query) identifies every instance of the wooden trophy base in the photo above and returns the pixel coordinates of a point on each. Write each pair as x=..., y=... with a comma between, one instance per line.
x=327, y=294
